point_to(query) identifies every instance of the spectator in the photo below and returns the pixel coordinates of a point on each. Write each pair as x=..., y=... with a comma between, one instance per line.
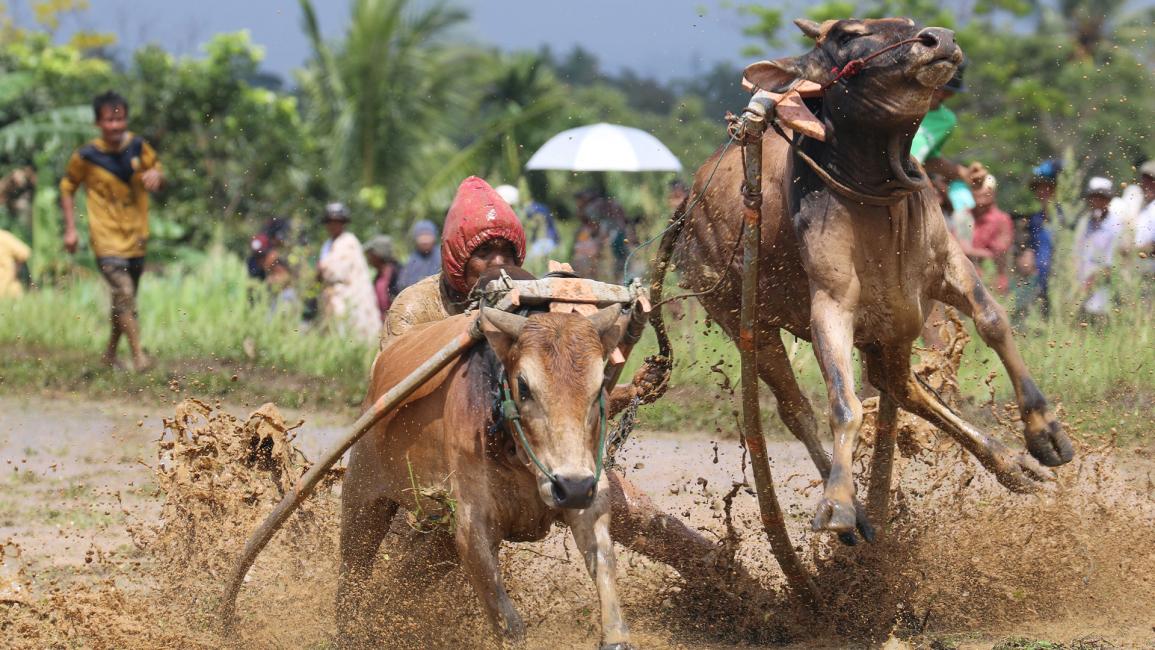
x=347, y=300
x=379, y=253
x=936, y=128
x=13, y=253
x=994, y=232
x=1040, y=239
x=1145, y=228
x=587, y=257
x=117, y=170
x=1026, y=290
x=540, y=230
x=425, y=260
x=279, y=279
x=273, y=235
x=678, y=192
x=603, y=227
x=1095, y=251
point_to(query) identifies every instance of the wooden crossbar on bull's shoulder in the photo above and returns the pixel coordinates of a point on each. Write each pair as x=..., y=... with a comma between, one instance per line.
x=515, y=293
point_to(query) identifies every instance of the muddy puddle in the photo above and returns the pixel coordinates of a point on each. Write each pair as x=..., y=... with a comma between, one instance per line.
x=117, y=531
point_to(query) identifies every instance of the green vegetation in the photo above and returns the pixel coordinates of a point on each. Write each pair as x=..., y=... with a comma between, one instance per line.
x=1071, y=81
x=210, y=326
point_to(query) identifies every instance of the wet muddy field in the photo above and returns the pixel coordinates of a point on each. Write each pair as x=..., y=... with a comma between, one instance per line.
x=118, y=531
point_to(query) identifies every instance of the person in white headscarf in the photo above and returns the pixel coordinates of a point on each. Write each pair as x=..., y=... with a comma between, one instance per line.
x=348, y=302
x=1095, y=248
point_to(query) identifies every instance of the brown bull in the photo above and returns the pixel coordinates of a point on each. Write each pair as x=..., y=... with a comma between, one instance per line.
x=491, y=483
x=854, y=251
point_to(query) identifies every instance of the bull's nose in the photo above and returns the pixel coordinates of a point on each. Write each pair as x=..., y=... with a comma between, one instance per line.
x=574, y=492
x=934, y=37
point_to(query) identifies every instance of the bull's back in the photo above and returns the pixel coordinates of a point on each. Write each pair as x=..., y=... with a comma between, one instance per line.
x=709, y=247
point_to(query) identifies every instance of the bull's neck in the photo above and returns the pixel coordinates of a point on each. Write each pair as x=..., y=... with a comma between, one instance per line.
x=874, y=162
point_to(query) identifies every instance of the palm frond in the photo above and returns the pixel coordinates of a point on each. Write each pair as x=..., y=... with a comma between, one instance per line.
x=50, y=129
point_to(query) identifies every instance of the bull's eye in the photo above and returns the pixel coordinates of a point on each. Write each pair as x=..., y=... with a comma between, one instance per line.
x=523, y=392
x=845, y=37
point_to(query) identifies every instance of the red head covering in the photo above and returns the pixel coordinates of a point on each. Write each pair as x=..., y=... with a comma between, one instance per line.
x=477, y=215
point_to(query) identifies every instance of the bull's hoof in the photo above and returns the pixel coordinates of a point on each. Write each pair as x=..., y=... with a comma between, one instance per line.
x=624, y=645
x=1050, y=444
x=1022, y=474
x=862, y=523
x=834, y=517
x=513, y=632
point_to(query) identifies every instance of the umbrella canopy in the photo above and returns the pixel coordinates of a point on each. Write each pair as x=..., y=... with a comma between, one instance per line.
x=604, y=148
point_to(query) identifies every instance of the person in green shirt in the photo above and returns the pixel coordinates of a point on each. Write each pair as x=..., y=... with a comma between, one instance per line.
x=936, y=129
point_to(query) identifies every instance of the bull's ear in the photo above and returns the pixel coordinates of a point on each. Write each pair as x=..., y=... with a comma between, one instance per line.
x=776, y=75
x=809, y=27
x=501, y=329
x=609, y=326
x=772, y=75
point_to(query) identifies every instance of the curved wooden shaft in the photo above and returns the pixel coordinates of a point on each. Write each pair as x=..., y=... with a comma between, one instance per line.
x=771, y=512
x=304, y=487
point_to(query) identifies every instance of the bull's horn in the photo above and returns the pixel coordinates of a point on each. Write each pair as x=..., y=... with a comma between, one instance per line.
x=809, y=27
x=509, y=324
x=606, y=318
x=608, y=323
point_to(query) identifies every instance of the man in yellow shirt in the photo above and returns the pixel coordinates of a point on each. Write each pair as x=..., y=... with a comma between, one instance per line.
x=118, y=170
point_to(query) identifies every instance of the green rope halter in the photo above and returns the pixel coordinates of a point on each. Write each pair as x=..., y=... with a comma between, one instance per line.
x=510, y=412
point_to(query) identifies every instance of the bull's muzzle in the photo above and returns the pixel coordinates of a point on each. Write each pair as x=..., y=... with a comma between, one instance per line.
x=940, y=41
x=574, y=492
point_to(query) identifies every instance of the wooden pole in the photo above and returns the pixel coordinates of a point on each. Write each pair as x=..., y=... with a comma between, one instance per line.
x=304, y=487
x=751, y=127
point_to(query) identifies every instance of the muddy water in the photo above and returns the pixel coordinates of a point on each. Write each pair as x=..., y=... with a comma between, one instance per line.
x=966, y=563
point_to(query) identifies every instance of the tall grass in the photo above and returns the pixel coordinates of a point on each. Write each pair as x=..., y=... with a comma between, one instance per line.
x=210, y=312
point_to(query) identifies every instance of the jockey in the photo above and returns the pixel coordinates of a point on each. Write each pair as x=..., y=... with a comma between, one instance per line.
x=482, y=232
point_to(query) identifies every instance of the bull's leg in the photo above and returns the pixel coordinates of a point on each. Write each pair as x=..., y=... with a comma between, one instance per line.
x=1015, y=470
x=963, y=290
x=591, y=533
x=832, y=325
x=364, y=523
x=477, y=546
x=882, y=460
x=794, y=409
x=640, y=526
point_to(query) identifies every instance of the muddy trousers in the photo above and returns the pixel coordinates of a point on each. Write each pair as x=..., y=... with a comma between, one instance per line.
x=123, y=277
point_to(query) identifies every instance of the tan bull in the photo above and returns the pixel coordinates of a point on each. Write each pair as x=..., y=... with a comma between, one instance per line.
x=854, y=252
x=497, y=484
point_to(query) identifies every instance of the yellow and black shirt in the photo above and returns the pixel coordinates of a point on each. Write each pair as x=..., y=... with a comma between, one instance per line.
x=117, y=200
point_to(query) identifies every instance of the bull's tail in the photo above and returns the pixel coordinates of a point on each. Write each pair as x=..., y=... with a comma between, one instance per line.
x=656, y=279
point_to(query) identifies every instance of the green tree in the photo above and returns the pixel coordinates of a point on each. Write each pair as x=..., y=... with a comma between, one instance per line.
x=384, y=95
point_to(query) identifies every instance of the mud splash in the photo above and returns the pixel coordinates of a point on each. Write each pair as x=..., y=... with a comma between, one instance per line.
x=217, y=476
x=963, y=559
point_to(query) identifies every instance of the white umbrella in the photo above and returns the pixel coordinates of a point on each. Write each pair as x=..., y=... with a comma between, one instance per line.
x=604, y=148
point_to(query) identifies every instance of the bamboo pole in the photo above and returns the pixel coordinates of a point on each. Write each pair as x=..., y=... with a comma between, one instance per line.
x=751, y=126
x=304, y=487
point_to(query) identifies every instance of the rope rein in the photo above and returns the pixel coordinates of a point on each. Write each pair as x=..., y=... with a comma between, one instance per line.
x=855, y=66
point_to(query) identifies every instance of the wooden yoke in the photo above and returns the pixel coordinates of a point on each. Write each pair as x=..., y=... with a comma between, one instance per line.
x=748, y=130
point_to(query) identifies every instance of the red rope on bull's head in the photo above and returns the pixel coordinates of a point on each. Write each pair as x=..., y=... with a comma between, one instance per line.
x=855, y=66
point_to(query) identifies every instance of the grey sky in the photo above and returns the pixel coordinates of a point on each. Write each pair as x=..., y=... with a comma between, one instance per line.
x=663, y=38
